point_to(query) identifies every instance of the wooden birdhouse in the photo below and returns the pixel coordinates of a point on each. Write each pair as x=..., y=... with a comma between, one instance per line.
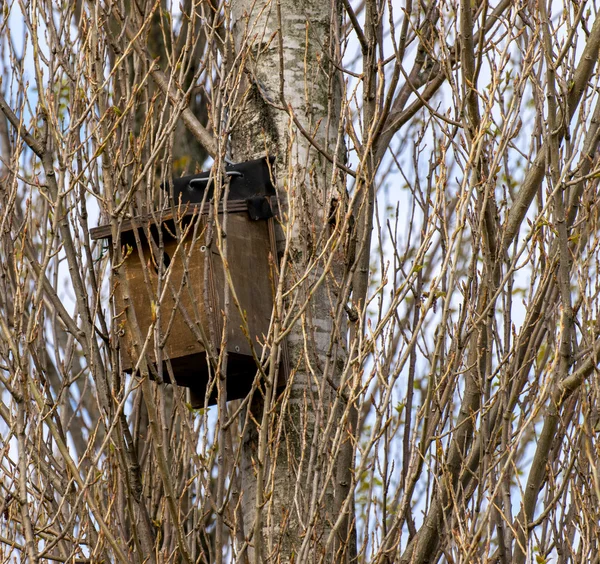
x=175, y=281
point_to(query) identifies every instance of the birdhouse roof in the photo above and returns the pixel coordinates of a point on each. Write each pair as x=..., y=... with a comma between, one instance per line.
x=250, y=190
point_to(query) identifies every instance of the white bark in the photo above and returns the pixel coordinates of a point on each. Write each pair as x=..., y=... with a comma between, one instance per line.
x=283, y=455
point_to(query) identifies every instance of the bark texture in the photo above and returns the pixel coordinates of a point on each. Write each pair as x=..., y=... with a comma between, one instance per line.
x=291, y=90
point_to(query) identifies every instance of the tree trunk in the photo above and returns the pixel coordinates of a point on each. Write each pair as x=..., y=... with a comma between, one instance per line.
x=290, y=86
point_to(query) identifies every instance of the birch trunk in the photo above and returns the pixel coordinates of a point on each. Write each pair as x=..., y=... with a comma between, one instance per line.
x=287, y=49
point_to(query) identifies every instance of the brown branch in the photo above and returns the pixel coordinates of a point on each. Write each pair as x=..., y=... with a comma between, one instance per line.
x=534, y=177
x=169, y=89
x=31, y=141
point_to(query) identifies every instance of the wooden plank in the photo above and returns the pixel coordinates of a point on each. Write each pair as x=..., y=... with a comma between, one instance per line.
x=193, y=306
x=248, y=248
x=167, y=216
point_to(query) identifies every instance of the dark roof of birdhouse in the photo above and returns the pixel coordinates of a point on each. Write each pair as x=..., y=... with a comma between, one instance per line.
x=250, y=189
x=247, y=181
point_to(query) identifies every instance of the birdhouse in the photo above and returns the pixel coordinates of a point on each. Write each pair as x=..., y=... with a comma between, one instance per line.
x=189, y=299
